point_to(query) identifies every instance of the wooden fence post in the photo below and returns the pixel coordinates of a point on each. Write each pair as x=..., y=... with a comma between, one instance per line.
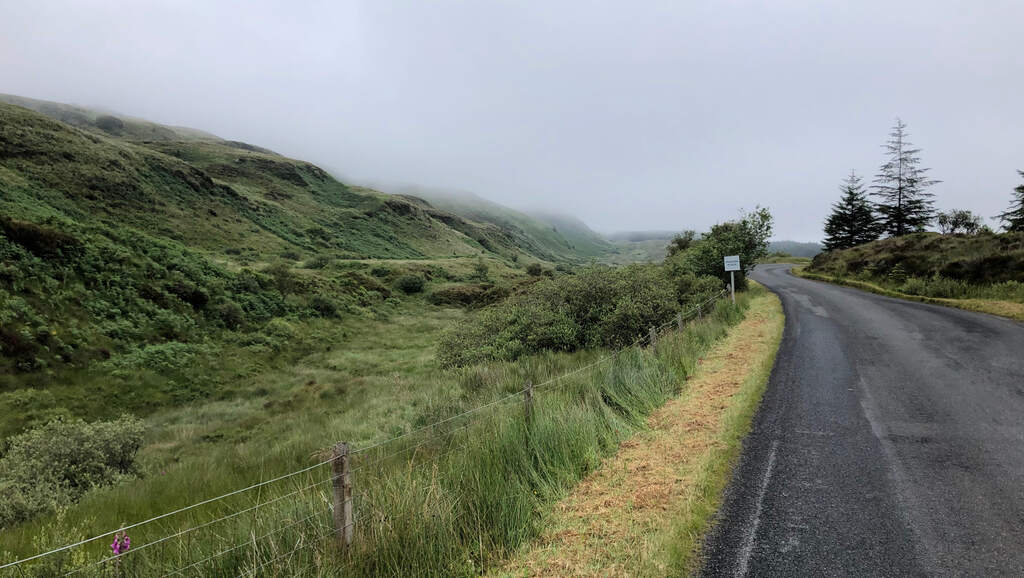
x=528, y=400
x=654, y=336
x=679, y=321
x=699, y=312
x=342, y=484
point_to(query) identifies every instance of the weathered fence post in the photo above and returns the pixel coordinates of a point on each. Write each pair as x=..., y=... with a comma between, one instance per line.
x=342, y=484
x=654, y=336
x=528, y=400
x=679, y=321
x=700, y=313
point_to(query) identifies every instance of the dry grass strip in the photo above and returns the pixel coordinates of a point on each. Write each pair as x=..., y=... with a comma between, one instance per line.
x=616, y=521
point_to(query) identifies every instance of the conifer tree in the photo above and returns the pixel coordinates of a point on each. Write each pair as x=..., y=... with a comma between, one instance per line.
x=853, y=221
x=1013, y=218
x=905, y=205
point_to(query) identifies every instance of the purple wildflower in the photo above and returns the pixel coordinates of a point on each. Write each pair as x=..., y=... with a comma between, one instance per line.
x=116, y=545
x=126, y=542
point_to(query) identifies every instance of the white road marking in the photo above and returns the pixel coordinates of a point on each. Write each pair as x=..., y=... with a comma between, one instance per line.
x=748, y=540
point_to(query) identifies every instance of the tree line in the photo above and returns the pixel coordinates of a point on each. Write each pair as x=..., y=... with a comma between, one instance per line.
x=904, y=204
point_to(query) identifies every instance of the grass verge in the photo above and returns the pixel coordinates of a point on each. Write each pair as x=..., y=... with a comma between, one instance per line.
x=1001, y=308
x=645, y=510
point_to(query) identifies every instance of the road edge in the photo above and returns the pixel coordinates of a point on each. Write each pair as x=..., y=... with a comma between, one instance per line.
x=697, y=521
x=989, y=307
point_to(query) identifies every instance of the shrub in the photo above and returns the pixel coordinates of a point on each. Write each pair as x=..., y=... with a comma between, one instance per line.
x=54, y=465
x=914, y=286
x=410, y=284
x=319, y=262
x=535, y=269
x=323, y=306
x=380, y=271
x=469, y=295
x=599, y=307
x=897, y=274
x=480, y=270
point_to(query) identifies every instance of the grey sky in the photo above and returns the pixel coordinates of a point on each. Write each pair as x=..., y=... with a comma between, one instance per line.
x=630, y=115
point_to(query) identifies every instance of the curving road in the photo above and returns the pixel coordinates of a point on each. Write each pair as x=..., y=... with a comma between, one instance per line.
x=890, y=442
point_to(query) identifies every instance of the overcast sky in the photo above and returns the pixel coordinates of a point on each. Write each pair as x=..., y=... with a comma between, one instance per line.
x=629, y=115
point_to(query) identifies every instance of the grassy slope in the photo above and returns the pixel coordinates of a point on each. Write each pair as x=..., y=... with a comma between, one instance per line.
x=977, y=259
x=549, y=238
x=974, y=272
x=581, y=238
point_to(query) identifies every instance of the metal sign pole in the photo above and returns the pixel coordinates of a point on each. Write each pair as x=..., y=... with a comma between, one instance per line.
x=732, y=285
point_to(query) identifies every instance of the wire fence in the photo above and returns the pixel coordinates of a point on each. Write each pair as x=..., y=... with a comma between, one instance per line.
x=316, y=496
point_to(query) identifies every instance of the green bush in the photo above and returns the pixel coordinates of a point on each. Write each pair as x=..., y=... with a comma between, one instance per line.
x=410, y=284
x=469, y=295
x=54, y=465
x=535, y=269
x=599, y=307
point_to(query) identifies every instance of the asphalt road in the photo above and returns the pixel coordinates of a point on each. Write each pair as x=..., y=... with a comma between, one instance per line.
x=890, y=442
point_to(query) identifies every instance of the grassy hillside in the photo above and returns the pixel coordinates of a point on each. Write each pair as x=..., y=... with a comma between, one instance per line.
x=982, y=272
x=143, y=243
x=975, y=259
x=582, y=239
x=548, y=237
x=108, y=124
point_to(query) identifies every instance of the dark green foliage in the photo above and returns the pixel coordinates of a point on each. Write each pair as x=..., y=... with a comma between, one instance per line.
x=853, y=221
x=1013, y=218
x=905, y=204
x=535, y=269
x=54, y=465
x=959, y=221
x=598, y=307
x=469, y=295
x=681, y=242
x=746, y=237
x=410, y=284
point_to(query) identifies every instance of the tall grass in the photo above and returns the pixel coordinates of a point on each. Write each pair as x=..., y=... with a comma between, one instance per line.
x=452, y=499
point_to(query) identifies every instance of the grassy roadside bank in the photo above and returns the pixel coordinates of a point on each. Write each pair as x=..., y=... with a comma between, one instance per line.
x=646, y=508
x=1010, y=309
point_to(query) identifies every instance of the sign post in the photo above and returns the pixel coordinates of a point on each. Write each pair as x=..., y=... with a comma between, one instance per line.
x=732, y=264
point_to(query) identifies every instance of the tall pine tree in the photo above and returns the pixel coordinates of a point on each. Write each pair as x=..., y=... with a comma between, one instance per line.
x=1013, y=218
x=905, y=205
x=853, y=221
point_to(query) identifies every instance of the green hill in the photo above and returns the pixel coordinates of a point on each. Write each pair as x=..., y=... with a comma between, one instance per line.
x=122, y=234
x=974, y=259
x=545, y=236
